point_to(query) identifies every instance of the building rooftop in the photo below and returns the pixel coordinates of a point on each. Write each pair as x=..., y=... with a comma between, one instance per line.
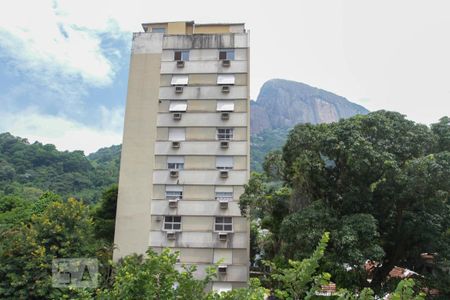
x=190, y=27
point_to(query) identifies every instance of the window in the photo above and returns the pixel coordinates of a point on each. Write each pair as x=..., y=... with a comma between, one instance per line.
x=178, y=106
x=172, y=223
x=177, y=134
x=180, y=79
x=174, y=192
x=225, y=106
x=181, y=55
x=223, y=224
x=224, y=193
x=226, y=54
x=225, y=79
x=175, y=162
x=174, y=195
x=224, y=134
x=158, y=30
x=224, y=162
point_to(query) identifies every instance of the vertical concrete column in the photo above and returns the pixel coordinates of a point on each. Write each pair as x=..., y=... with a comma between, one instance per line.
x=133, y=218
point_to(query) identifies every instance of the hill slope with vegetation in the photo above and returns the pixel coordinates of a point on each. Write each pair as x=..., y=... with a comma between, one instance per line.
x=30, y=169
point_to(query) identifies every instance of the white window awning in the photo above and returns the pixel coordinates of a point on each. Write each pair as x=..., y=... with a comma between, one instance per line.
x=178, y=106
x=180, y=79
x=174, y=188
x=177, y=134
x=225, y=106
x=224, y=162
x=223, y=79
x=175, y=159
x=224, y=189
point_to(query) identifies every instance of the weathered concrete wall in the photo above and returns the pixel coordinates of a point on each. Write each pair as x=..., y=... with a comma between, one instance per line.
x=204, y=147
x=207, y=177
x=203, y=79
x=206, y=41
x=133, y=206
x=204, y=92
x=208, y=120
x=192, y=67
x=204, y=54
x=195, y=208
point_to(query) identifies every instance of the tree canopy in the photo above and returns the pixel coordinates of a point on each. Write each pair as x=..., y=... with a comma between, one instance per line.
x=379, y=183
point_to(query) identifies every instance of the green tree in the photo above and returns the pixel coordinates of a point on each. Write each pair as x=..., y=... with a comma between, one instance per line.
x=379, y=183
x=155, y=277
x=15, y=210
x=442, y=131
x=405, y=291
x=105, y=214
x=299, y=280
x=273, y=165
x=269, y=205
x=62, y=230
x=254, y=292
x=380, y=165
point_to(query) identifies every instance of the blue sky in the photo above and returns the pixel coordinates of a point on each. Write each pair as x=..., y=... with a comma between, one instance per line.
x=63, y=80
x=64, y=63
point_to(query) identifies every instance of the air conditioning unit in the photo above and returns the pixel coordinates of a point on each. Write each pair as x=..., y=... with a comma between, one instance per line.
x=223, y=203
x=225, y=116
x=223, y=236
x=158, y=218
x=225, y=89
x=224, y=174
x=171, y=235
x=178, y=89
x=173, y=203
x=176, y=144
x=224, y=144
x=226, y=63
x=177, y=116
x=222, y=269
x=180, y=63
x=174, y=173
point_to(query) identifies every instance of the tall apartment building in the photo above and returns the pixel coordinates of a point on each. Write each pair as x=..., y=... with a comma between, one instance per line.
x=185, y=155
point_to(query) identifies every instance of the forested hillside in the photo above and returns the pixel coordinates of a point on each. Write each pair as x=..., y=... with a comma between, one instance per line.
x=264, y=142
x=29, y=169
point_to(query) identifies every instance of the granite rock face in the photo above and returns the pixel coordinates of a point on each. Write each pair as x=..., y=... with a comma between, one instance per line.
x=283, y=104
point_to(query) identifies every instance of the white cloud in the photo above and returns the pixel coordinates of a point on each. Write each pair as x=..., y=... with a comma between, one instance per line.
x=41, y=38
x=112, y=119
x=65, y=134
x=63, y=48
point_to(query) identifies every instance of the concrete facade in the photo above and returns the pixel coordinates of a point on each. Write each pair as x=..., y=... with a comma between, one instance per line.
x=185, y=155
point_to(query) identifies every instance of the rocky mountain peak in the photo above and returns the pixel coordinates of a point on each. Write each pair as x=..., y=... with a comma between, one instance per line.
x=284, y=103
